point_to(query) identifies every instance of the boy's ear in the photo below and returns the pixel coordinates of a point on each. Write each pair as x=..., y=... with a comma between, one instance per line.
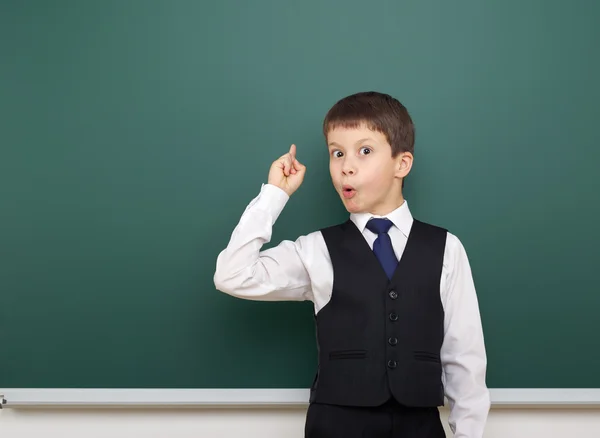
x=404, y=163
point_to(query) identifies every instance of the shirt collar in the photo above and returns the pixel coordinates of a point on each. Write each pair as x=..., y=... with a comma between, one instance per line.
x=400, y=217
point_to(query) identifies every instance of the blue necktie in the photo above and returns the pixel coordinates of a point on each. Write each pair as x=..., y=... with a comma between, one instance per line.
x=382, y=247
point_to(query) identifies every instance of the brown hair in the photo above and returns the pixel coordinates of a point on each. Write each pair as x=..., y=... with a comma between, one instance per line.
x=380, y=112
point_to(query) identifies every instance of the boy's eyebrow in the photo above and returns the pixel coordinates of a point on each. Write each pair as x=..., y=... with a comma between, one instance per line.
x=333, y=143
x=364, y=139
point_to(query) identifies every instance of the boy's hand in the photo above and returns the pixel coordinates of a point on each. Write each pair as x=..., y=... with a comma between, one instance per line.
x=286, y=172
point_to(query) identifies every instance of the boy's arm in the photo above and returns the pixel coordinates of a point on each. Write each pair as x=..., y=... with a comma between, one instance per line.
x=275, y=274
x=243, y=270
x=463, y=352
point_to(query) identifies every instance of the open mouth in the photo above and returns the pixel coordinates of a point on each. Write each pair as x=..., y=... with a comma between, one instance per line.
x=348, y=191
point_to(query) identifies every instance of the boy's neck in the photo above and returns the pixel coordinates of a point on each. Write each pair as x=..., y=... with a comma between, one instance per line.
x=388, y=209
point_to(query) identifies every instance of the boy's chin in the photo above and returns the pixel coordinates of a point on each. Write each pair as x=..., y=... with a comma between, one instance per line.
x=352, y=207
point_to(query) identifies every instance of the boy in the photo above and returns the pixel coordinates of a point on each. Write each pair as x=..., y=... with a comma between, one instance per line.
x=397, y=317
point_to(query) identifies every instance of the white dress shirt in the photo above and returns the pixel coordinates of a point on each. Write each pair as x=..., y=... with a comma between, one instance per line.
x=301, y=270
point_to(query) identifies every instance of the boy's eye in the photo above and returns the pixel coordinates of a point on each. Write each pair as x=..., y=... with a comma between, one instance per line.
x=365, y=151
x=337, y=154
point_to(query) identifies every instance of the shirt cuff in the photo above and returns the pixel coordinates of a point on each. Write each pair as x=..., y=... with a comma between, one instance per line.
x=271, y=200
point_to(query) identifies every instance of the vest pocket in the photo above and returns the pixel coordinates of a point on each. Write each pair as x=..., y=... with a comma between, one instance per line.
x=427, y=356
x=347, y=354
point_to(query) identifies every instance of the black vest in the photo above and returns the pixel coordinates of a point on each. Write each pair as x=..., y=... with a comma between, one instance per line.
x=378, y=338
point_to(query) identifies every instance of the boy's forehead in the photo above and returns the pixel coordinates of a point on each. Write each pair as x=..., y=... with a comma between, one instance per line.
x=343, y=135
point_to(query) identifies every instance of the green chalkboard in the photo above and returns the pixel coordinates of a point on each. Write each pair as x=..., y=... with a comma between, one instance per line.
x=134, y=133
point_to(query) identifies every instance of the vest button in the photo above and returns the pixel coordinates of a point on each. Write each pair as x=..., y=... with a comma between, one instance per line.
x=393, y=316
x=393, y=294
x=393, y=341
x=392, y=364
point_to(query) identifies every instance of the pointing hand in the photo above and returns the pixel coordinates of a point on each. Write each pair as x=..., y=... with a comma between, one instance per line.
x=286, y=172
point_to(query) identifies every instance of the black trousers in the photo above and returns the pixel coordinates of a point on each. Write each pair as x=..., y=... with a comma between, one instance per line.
x=390, y=420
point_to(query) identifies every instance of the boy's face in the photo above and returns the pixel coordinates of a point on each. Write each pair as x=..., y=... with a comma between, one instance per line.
x=363, y=171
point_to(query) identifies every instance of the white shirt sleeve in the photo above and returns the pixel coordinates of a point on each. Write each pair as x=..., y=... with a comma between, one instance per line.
x=275, y=274
x=463, y=352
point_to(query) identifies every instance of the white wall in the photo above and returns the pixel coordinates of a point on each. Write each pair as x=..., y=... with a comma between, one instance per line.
x=259, y=423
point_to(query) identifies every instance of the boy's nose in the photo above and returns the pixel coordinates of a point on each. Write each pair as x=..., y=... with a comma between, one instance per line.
x=348, y=169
